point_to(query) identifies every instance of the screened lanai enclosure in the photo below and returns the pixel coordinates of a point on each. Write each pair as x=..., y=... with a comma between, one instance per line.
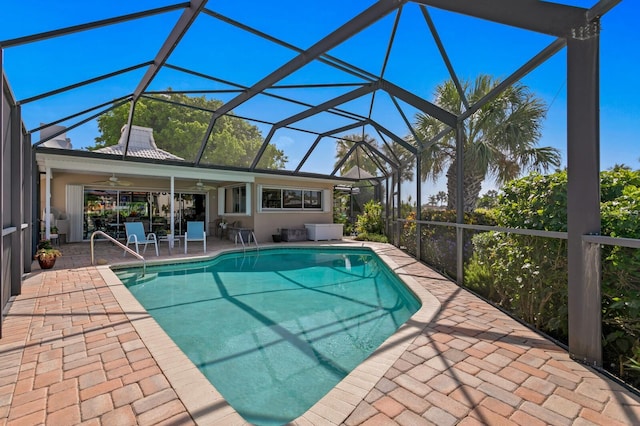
x=268, y=106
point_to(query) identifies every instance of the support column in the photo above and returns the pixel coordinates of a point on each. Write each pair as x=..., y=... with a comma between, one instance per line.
x=2, y=182
x=460, y=203
x=172, y=220
x=36, y=207
x=29, y=235
x=351, y=218
x=18, y=183
x=388, y=203
x=47, y=203
x=583, y=192
x=418, y=207
x=396, y=177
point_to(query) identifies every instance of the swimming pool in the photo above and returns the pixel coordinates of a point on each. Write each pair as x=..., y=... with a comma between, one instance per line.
x=275, y=330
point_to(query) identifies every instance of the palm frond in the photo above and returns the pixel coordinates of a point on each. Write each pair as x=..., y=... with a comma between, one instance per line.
x=501, y=137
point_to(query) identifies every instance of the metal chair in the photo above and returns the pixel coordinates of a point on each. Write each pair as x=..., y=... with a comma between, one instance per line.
x=136, y=235
x=195, y=232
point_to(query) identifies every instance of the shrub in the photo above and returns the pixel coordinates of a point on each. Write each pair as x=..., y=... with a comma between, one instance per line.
x=438, y=242
x=365, y=236
x=528, y=275
x=370, y=221
x=342, y=218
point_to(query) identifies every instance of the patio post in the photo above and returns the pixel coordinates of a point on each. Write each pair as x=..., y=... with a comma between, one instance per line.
x=2, y=183
x=396, y=179
x=388, y=203
x=17, y=190
x=30, y=210
x=418, y=207
x=583, y=192
x=47, y=203
x=460, y=202
x=171, y=219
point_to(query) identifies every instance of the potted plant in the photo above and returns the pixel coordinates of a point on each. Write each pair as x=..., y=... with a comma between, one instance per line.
x=46, y=254
x=277, y=237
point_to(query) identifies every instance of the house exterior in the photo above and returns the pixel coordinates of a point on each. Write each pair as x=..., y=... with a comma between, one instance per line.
x=82, y=192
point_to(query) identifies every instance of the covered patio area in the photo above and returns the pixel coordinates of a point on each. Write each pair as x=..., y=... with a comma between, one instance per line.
x=78, y=349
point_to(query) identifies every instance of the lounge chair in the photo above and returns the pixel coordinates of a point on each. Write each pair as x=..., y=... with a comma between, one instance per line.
x=195, y=232
x=136, y=235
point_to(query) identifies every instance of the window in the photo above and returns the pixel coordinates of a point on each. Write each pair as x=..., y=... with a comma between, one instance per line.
x=234, y=200
x=271, y=198
x=312, y=199
x=239, y=199
x=290, y=199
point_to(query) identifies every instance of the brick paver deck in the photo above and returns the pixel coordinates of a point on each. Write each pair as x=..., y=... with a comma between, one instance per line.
x=77, y=349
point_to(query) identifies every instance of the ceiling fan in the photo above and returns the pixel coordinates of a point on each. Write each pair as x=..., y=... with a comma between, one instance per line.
x=113, y=181
x=200, y=186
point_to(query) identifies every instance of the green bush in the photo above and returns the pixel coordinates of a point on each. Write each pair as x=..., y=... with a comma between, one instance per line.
x=365, y=236
x=438, y=242
x=525, y=275
x=344, y=220
x=370, y=221
x=528, y=275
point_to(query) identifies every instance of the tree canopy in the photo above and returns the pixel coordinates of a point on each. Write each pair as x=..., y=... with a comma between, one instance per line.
x=363, y=158
x=179, y=123
x=500, y=139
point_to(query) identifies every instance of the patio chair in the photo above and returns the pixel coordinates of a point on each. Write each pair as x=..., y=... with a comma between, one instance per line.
x=217, y=229
x=195, y=232
x=136, y=235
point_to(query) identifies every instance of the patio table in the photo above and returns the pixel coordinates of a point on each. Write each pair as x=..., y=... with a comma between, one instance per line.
x=171, y=240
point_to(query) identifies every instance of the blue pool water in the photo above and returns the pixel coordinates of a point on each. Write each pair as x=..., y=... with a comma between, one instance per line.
x=275, y=330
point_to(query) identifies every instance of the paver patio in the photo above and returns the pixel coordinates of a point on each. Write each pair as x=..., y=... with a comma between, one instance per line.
x=76, y=350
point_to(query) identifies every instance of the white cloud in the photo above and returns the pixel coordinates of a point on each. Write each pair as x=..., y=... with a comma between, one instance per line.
x=283, y=142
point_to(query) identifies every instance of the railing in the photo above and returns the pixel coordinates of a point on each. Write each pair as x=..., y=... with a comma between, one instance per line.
x=252, y=235
x=395, y=226
x=591, y=301
x=119, y=244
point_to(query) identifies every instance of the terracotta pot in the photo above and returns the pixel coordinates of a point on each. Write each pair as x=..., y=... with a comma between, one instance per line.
x=46, y=263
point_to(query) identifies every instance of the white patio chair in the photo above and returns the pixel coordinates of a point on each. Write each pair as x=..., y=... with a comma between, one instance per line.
x=136, y=235
x=195, y=232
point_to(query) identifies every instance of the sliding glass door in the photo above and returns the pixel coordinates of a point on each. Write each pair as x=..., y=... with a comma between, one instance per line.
x=108, y=210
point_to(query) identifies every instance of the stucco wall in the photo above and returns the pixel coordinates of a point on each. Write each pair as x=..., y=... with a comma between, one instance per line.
x=266, y=223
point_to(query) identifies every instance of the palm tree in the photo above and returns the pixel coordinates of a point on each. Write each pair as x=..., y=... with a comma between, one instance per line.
x=441, y=196
x=500, y=139
x=405, y=159
x=363, y=160
x=617, y=167
x=358, y=157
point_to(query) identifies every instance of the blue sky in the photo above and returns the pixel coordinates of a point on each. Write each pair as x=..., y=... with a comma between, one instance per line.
x=215, y=48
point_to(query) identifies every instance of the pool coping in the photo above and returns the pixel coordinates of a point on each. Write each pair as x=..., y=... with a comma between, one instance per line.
x=207, y=406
